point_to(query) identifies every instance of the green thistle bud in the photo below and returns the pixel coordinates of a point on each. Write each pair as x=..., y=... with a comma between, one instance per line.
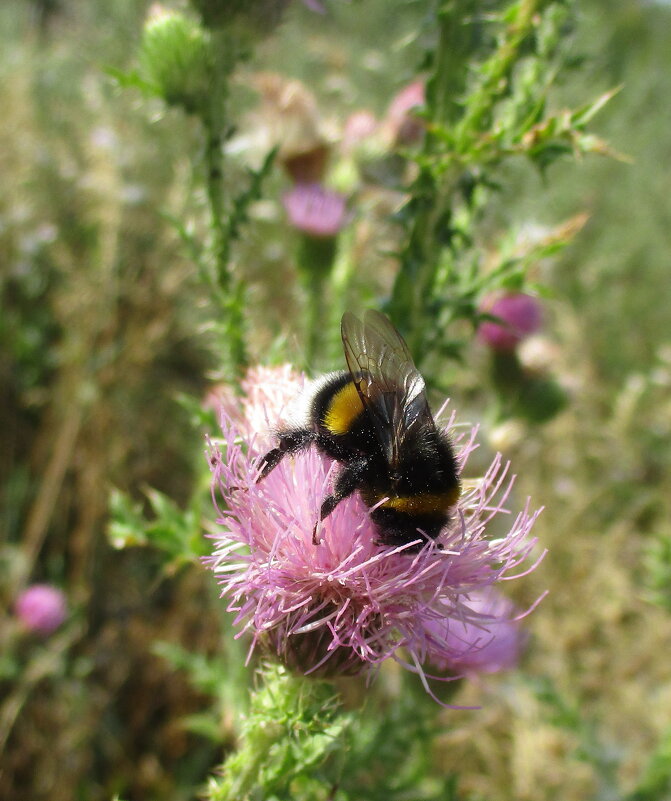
x=175, y=59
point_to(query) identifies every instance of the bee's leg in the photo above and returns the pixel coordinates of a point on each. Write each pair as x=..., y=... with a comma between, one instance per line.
x=289, y=442
x=348, y=480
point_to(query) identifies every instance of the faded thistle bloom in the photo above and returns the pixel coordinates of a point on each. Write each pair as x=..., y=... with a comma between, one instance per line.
x=348, y=603
x=521, y=315
x=41, y=608
x=289, y=119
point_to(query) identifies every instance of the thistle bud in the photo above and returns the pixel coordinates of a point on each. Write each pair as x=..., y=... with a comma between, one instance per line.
x=520, y=315
x=315, y=210
x=175, y=59
x=41, y=608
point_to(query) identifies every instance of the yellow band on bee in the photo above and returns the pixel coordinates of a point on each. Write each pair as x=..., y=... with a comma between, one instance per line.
x=424, y=503
x=343, y=410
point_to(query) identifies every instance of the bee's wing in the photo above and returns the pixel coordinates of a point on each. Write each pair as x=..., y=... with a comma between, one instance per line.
x=392, y=390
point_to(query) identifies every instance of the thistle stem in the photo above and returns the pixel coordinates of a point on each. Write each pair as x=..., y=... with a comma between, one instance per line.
x=315, y=261
x=456, y=123
x=229, y=289
x=293, y=724
x=431, y=192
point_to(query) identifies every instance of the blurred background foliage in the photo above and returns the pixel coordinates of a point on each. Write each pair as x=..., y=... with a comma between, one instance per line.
x=105, y=343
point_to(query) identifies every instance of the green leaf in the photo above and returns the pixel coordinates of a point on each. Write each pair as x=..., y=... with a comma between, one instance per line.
x=581, y=116
x=127, y=525
x=133, y=80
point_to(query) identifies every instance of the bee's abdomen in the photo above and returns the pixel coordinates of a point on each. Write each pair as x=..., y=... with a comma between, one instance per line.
x=424, y=503
x=400, y=517
x=399, y=528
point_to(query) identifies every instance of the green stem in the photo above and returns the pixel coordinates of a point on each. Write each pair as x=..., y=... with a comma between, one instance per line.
x=430, y=207
x=456, y=123
x=315, y=319
x=499, y=67
x=293, y=725
x=229, y=289
x=315, y=261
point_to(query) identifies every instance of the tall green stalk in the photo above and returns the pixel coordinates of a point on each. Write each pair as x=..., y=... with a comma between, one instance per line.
x=230, y=291
x=454, y=158
x=429, y=209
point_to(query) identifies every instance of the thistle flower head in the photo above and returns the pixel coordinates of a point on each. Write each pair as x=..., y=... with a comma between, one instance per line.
x=348, y=603
x=268, y=394
x=41, y=608
x=520, y=315
x=486, y=640
x=315, y=210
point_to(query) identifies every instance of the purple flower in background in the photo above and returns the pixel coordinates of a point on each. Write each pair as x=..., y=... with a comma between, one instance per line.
x=487, y=639
x=520, y=314
x=315, y=210
x=41, y=608
x=348, y=603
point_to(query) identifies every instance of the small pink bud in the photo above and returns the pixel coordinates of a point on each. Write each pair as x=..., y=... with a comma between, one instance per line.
x=315, y=210
x=520, y=314
x=406, y=127
x=41, y=608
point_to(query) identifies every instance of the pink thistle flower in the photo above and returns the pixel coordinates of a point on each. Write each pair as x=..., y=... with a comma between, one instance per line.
x=348, y=603
x=313, y=5
x=486, y=640
x=268, y=396
x=315, y=210
x=41, y=608
x=520, y=314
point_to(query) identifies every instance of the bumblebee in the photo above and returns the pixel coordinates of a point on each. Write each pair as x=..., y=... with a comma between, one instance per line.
x=375, y=420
